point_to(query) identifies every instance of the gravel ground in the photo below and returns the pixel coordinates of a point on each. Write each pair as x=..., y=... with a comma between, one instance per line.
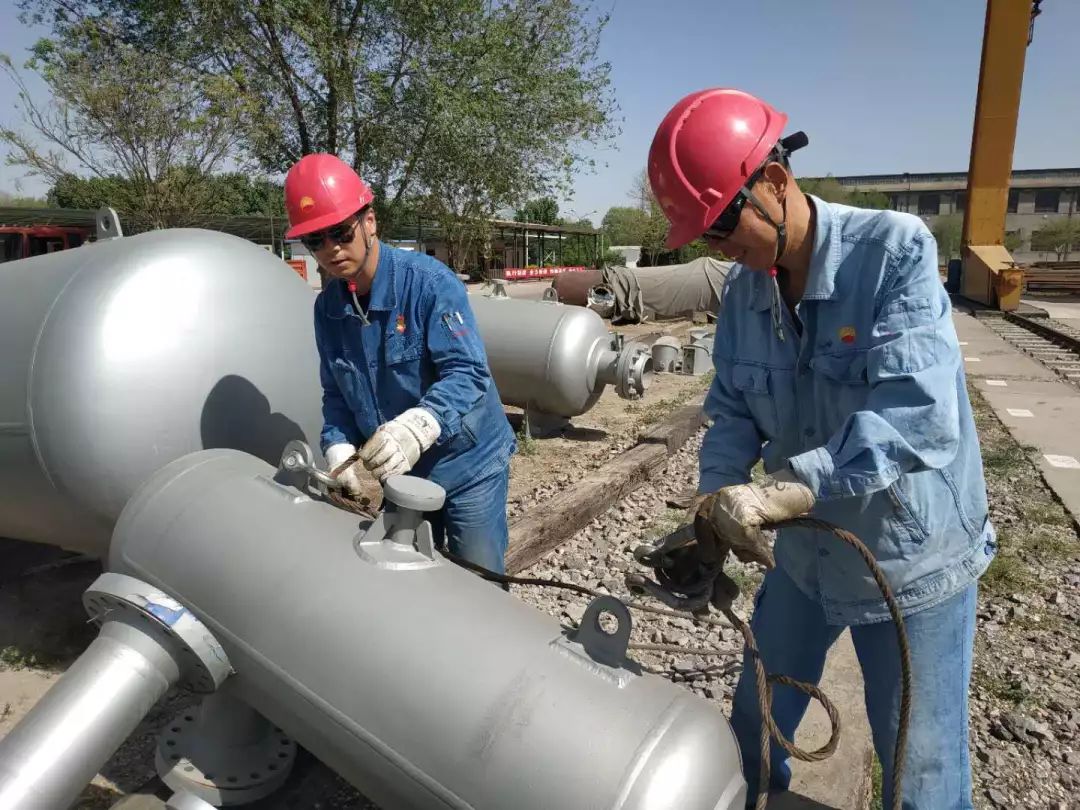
x=1025, y=691
x=599, y=555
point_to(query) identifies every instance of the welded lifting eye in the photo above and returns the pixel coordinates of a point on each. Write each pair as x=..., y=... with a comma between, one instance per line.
x=604, y=632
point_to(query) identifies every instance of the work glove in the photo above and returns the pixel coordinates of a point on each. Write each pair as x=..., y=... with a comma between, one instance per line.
x=396, y=445
x=350, y=475
x=734, y=515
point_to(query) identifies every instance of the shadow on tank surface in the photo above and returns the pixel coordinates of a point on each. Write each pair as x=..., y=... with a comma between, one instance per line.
x=237, y=416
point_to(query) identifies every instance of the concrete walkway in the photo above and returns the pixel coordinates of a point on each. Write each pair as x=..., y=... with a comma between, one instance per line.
x=1037, y=407
x=842, y=782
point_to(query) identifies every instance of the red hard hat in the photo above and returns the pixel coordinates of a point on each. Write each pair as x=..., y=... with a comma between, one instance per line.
x=704, y=151
x=321, y=191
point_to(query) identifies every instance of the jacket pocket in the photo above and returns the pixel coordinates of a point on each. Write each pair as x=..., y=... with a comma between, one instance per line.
x=753, y=382
x=907, y=330
x=848, y=368
x=402, y=348
x=905, y=514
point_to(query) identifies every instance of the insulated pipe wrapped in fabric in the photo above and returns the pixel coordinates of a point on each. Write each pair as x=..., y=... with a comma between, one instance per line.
x=418, y=682
x=120, y=356
x=553, y=358
x=640, y=293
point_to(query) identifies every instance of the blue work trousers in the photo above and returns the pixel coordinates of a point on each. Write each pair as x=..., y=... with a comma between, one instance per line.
x=472, y=523
x=793, y=638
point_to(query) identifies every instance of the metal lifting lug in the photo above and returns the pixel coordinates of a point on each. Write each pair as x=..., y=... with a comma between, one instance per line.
x=298, y=459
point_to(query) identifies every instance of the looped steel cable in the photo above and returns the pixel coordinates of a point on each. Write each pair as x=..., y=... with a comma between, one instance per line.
x=763, y=680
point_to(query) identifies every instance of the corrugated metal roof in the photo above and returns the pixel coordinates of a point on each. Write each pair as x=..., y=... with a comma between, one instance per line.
x=264, y=230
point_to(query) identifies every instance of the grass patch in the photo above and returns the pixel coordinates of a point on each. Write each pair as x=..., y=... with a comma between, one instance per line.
x=526, y=444
x=1009, y=690
x=650, y=412
x=12, y=657
x=748, y=579
x=876, y=782
x=1006, y=574
x=668, y=522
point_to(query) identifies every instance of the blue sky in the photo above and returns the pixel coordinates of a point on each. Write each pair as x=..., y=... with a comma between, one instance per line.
x=879, y=85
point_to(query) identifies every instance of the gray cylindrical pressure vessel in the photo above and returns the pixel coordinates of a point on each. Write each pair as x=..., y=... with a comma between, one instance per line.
x=421, y=684
x=552, y=358
x=120, y=356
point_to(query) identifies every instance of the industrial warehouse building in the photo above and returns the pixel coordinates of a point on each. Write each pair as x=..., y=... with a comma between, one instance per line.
x=1035, y=197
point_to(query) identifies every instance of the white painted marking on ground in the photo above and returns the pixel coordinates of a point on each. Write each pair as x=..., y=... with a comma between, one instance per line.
x=1065, y=462
x=973, y=359
x=963, y=343
x=996, y=383
x=1020, y=412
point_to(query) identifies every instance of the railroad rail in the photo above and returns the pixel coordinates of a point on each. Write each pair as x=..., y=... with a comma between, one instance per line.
x=1054, y=344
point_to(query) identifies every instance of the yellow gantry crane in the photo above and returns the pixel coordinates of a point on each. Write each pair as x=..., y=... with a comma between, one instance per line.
x=989, y=274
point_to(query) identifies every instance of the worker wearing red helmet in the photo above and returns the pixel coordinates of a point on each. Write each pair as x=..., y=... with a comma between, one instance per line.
x=837, y=364
x=404, y=373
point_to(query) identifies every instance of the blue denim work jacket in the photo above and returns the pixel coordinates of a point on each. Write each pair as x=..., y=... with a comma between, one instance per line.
x=868, y=406
x=421, y=348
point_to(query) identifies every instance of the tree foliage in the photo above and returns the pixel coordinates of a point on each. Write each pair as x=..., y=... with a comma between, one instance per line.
x=625, y=226
x=19, y=201
x=119, y=112
x=541, y=211
x=451, y=108
x=829, y=189
x=1058, y=236
x=227, y=194
x=948, y=231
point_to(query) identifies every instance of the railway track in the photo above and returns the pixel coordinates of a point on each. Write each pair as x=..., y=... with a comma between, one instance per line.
x=1054, y=344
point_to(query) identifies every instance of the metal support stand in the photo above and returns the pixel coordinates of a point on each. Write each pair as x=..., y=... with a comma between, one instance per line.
x=225, y=753
x=540, y=424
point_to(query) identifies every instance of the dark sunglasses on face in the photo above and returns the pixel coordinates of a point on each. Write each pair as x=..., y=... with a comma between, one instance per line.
x=341, y=234
x=725, y=224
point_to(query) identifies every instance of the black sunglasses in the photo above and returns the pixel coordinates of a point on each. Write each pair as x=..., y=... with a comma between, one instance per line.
x=725, y=224
x=341, y=234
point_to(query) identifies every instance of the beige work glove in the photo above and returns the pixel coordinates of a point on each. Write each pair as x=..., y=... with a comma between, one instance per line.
x=396, y=445
x=737, y=513
x=350, y=476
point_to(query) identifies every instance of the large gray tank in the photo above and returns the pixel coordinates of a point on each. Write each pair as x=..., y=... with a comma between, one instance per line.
x=421, y=684
x=555, y=359
x=120, y=356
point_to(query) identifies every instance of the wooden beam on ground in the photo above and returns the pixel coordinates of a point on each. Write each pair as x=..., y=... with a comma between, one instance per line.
x=675, y=430
x=553, y=522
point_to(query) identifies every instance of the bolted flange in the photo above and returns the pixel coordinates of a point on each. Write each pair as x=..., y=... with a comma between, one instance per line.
x=224, y=752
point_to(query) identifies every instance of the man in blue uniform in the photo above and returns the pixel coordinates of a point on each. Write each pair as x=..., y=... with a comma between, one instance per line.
x=404, y=373
x=837, y=363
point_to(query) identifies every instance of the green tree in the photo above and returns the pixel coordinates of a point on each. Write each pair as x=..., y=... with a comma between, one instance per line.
x=625, y=226
x=948, y=231
x=542, y=211
x=117, y=111
x=1058, y=236
x=828, y=188
x=868, y=199
x=228, y=194
x=463, y=107
x=1014, y=240
x=19, y=201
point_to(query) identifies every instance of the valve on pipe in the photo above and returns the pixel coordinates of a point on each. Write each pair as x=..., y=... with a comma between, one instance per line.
x=148, y=642
x=418, y=682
